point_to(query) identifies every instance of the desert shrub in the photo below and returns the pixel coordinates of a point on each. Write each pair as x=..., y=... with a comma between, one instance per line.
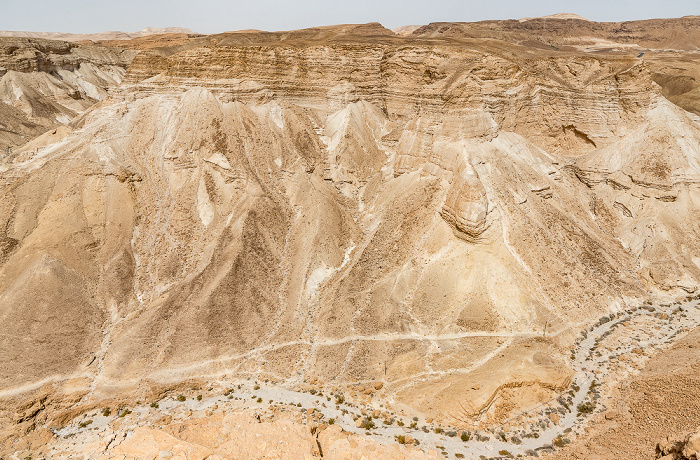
x=585, y=408
x=154, y=405
x=199, y=397
x=85, y=423
x=558, y=441
x=367, y=423
x=465, y=436
x=106, y=411
x=181, y=398
x=401, y=439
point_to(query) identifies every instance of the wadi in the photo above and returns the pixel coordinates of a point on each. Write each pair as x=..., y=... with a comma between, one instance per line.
x=455, y=240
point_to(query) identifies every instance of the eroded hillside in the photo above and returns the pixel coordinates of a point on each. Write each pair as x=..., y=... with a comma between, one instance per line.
x=340, y=205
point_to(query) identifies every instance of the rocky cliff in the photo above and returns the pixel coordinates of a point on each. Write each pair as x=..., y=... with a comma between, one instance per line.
x=46, y=83
x=339, y=204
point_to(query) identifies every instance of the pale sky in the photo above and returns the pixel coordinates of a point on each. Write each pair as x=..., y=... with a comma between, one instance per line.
x=211, y=16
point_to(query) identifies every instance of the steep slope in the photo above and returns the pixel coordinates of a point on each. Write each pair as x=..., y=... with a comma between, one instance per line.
x=44, y=84
x=438, y=217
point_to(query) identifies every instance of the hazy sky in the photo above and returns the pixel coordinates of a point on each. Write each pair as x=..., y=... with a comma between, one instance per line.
x=208, y=16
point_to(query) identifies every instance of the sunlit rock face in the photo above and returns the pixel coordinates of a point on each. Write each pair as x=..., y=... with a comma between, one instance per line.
x=340, y=203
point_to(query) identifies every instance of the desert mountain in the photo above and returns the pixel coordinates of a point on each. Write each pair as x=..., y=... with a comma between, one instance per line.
x=557, y=16
x=99, y=36
x=440, y=213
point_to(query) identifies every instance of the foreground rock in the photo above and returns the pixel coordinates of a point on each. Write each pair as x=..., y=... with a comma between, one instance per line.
x=679, y=447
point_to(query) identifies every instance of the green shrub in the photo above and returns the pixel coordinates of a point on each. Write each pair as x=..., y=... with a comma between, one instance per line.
x=331, y=421
x=199, y=397
x=85, y=423
x=106, y=412
x=154, y=405
x=465, y=436
x=256, y=387
x=259, y=400
x=181, y=398
x=401, y=439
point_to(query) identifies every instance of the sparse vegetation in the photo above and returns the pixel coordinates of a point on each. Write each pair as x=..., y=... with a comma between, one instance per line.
x=331, y=421
x=199, y=397
x=125, y=413
x=585, y=408
x=154, y=405
x=401, y=439
x=106, y=412
x=181, y=398
x=85, y=423
x=367, y=423
x=437, y=430
x=465, y=436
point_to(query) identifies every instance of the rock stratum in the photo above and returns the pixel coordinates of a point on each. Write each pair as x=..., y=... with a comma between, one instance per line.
x=438, y=212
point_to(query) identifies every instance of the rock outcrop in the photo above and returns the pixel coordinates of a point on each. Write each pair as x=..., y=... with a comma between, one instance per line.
x=679, y=447
x=45, y=84
x=337, y=203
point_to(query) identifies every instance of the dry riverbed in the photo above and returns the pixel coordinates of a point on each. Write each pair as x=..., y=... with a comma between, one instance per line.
x=364, y=416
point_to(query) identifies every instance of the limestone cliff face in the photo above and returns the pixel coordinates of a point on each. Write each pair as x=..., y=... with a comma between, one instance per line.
x=46, y=83
x=338, y=208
